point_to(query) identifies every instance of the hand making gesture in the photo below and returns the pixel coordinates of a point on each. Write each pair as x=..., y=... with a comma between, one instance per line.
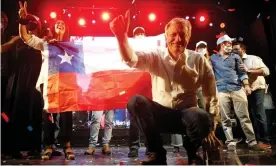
x=22, y=10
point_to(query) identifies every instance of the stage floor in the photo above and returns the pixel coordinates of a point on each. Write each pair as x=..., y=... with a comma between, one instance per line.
x=119, y=157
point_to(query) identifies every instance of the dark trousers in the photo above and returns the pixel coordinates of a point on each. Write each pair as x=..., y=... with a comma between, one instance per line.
x=258, y=115
x=134, y=134
x=153, y=119
x=49, y=127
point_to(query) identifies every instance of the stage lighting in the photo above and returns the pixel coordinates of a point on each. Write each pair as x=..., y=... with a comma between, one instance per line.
x=211, y=24
x=81, y=22
x=53, y=15
x=201, y=18
x=93, y=21
x=105, y=16
x=222, y=25
x=152, y=17
x=187, y=17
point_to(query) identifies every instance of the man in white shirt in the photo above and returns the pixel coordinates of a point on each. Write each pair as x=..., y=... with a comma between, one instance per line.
x=256, y=70
x=177, y=73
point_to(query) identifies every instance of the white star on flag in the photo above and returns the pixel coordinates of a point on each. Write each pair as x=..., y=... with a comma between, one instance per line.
x=66, y=58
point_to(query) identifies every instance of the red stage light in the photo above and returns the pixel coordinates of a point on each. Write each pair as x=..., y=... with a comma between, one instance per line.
x=81, y=22
x=105, y=16
x=201, y=18
x=53, y=15
x=152, y=17
x=93, y=21
x=231, y=10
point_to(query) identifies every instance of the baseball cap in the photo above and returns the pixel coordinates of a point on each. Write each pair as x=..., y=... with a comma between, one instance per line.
x=201, y=42
x=223, y=39
x=138, y=30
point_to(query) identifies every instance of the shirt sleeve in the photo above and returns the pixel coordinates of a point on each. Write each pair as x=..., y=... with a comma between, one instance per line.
x=142, y=60
x=263, y=66
x=36, y=43
x=241, y=74
x=209, y=89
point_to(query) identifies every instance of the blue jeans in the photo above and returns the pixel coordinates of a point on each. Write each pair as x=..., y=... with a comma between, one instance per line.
x=258, y=115
x=95, y=127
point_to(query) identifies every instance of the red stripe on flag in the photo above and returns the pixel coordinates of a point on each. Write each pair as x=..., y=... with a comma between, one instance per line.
x=104, y=90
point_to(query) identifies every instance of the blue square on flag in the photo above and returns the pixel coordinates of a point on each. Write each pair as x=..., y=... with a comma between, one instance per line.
x=66, y=57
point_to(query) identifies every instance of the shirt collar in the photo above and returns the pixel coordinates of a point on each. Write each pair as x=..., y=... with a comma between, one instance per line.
x=167, y=55
x=244, y=56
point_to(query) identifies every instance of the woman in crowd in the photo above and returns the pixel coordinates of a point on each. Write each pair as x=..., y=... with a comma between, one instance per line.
x=59, y=33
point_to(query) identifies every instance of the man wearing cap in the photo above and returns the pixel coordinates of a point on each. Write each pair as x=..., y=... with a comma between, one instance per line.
x=139, y=32
x=134, y=134
x=230, y=80
x=201, y=47
x=256, y=70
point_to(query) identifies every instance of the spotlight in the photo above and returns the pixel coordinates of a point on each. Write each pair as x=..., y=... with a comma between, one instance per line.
x=152, y=17
x=81, y=22
x=53, y=15
x=201, y=18
x=222, y=25
x=105, y=16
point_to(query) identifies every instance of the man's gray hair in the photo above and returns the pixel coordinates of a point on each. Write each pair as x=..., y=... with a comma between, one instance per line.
x=185, y=23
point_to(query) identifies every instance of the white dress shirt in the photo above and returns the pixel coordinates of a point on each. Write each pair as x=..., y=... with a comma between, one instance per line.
x=175, y=83
x=255, y=62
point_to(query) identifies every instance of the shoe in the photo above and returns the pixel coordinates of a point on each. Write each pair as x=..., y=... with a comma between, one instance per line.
x=258, y=148
x=238, y=140
x=47, y=154
x=68, y=153
x=90, y=151
x=176, y=149
x=210, y=154
x=133, y=152
x=195, y=154
x=264, y=145
x=155, y=159
x=231, y=148
x=106, y=150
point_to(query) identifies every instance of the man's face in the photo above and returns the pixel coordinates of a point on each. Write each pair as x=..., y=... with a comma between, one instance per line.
x=177, y=38
x=237, y=49
x=202, y=49
x=60, y=27
x=226, y=47
x=139, y=36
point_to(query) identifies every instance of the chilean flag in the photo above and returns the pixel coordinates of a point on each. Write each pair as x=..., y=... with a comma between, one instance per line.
x=87, y=74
